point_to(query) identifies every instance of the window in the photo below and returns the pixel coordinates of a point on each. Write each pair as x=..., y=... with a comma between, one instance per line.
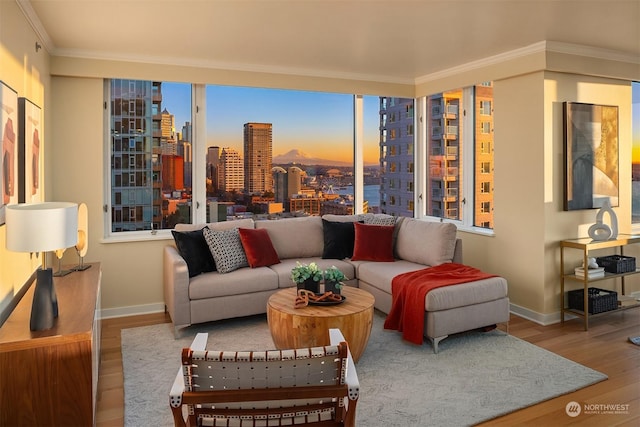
x=485, y=147
x=453, y=146
x=485, y=108
x=142, y=128
x=635, y=157
x=161, y=168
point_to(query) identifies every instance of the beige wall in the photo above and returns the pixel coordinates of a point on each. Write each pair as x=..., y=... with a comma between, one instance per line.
x=529, y=219
x=529, y=215
x=27, y=72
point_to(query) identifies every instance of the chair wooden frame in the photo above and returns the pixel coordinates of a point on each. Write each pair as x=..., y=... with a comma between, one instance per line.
x=312, y=386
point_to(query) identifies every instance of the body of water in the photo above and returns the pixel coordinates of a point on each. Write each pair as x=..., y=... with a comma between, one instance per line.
x=371, y=193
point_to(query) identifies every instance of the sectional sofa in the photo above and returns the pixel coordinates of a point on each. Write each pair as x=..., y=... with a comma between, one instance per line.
x=245, y=273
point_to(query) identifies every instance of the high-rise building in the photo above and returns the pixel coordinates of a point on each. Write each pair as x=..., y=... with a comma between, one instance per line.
x=294, y=183
x=172, y=173
x=280, y=185
x=286, y=184
x=168, y=141
x=187, y=154
x=258, y=142
x=444, y=153
x=136, y=200
x=214, y=171
x=232, y=170
x=396, y=156
x=483, y=209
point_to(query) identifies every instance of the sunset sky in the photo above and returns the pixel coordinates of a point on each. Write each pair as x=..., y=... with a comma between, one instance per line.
x=319, y=124
x=635, y=122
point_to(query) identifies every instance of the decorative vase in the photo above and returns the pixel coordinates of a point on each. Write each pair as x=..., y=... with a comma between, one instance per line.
x=310, y=285
x=601, y=231
x=333, y=286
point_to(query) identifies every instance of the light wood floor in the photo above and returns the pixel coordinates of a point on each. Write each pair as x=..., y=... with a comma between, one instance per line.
x=605, y=348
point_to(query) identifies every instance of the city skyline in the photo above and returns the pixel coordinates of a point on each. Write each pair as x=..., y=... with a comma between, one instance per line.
x=316, y=123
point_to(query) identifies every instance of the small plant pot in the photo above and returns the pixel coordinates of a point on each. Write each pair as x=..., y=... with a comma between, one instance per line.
x=330, y=285
x=310, y=285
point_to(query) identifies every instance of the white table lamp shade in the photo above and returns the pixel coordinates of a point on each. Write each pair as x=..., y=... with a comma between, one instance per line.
x=41, y=227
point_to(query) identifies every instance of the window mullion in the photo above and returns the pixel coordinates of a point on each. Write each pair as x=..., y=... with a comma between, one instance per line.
x=420, y=158
x=199, y=148
x=358, y=153
x=468, y=157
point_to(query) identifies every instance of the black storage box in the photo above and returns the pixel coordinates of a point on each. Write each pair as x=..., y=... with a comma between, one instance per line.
x=600, y=300
x=617, y=263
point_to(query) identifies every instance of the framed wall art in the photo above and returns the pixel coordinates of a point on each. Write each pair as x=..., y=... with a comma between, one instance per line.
x=30, y=151
x=590, y=155
x=9, y=149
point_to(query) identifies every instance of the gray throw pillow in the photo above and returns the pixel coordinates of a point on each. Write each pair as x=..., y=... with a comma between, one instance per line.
x=226, y=249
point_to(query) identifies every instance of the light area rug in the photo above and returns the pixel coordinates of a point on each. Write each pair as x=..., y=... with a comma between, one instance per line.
x=475, y=377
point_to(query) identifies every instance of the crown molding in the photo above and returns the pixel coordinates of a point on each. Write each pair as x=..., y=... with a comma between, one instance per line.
x=36, y=24
x=484, y=62
x=539, y=47
x=592, y=52
x=227, y=66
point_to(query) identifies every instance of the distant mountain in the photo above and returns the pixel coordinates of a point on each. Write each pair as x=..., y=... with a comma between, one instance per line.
x=302, y=158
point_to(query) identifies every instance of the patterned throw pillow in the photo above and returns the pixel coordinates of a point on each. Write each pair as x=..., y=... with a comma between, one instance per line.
x=226, y=249
x=380, y=219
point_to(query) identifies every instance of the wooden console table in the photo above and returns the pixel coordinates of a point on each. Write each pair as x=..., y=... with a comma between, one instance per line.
x=50, y=377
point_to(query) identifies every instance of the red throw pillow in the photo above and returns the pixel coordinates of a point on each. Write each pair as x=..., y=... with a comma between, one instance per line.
x=258, y=247
x=373, y=242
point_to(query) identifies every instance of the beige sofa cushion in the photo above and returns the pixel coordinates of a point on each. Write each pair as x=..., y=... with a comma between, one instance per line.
x=427, y=243
x=299, y=237
x=238, y=282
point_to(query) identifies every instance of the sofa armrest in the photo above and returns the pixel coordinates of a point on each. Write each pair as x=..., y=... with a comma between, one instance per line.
x=457, y=253
x=175, y=281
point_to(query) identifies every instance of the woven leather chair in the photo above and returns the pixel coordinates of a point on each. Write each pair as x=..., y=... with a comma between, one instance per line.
x=312, y=386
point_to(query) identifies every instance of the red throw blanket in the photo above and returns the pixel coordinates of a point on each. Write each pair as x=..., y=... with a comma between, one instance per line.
x=409, y=291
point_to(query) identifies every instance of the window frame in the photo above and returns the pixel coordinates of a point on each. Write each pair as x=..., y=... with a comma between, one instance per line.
x=467, y=112
x=198, y=144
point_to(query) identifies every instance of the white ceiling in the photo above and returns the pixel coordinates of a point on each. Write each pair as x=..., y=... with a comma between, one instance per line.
x=390, y=40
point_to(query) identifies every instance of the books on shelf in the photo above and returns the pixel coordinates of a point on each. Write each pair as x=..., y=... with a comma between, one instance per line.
x=625, y=300
x=592, y=273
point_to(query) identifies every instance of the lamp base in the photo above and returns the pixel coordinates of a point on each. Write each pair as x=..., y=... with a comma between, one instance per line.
x=44, y=308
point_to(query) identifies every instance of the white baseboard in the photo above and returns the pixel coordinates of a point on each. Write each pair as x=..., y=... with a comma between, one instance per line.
x=534, y=316
x=132, y=310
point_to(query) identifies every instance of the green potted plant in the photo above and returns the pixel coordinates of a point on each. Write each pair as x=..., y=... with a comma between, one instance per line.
x=333, y=279
x=307, y=276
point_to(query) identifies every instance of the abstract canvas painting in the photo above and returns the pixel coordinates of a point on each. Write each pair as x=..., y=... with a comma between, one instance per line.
x=9, y=149
x=590, y=155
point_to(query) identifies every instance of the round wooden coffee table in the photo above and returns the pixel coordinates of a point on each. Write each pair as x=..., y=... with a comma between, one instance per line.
x=309, y=326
